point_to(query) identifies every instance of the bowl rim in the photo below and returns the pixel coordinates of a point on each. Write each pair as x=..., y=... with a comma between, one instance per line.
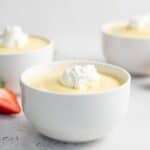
x=106, y=26
x=50, y=44
x=126, y=83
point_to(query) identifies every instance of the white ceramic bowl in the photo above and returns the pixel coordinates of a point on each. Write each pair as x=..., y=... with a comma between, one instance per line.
x=13, y=64
x=132, y=53
x=75, y=117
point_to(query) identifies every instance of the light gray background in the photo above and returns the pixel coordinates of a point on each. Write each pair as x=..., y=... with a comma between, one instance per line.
x=73, y=24
x=75, y=27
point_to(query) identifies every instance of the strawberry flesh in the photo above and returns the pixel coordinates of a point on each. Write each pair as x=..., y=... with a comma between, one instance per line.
x=8, y=102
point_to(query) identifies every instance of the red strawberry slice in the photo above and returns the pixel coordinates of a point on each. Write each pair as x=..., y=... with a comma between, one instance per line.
x=8, y=102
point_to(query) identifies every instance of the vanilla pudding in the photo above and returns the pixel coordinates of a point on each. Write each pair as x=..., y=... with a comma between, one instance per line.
x=19, y=50
x=74, y=79
x=69, y=110
x=34, y=43
x=136, y=26
x=122, y=29
x=127, y=44
x=14, y=40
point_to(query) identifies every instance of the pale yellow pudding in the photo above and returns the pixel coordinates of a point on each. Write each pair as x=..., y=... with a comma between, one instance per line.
x=122, y=29
x=14, y=40
x=49, y=81
x=34, y=43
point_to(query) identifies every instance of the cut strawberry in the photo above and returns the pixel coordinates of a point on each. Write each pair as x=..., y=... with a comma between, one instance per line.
x=8, y=102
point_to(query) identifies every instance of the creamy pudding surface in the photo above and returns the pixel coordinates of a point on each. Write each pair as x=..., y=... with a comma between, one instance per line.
x=14, y=40
x=75, y=79
x=34, y=43
x=135, y=27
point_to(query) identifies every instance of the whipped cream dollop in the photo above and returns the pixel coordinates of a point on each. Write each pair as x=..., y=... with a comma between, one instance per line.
x=139, y=22
x=80, y=77
x=13, y=37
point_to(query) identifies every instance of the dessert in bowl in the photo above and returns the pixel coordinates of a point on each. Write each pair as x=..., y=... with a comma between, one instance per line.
x=75, y=101
x=127, y=43
x=19, y=50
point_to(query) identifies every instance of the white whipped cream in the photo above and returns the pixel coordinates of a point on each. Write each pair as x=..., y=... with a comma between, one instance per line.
x=139, y=22
x=13, y=37
x=80, y=77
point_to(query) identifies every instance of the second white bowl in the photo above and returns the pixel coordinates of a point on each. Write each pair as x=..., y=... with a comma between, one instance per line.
x=132, y=53
x=13, y=64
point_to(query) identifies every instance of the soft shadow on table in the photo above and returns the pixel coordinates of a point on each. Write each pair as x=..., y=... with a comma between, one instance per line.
x=32, y=140
x=9, y=117
x=141, y=81
x=59, y=145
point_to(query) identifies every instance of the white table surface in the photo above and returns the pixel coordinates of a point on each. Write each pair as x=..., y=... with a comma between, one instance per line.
x=134, y=134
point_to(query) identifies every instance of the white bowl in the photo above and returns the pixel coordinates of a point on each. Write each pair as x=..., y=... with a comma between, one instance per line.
x=13, y=64
x=132, y=53
x=75, y=117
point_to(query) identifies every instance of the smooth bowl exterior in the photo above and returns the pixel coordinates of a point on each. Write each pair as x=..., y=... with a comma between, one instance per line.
x=132, y=53
x=12, y=65
x=75, y=117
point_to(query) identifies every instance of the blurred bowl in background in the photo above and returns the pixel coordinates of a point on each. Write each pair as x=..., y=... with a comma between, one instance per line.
x=13, y=64
x=130, y=52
